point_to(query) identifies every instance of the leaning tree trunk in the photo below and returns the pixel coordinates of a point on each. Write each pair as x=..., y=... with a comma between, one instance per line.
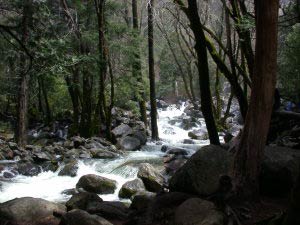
x=205, y=94
x=22, y=105
x=254, y=135
x=154, y=128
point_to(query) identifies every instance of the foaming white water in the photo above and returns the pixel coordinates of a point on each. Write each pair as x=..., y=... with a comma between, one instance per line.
x=49, y=186
x=169, y=125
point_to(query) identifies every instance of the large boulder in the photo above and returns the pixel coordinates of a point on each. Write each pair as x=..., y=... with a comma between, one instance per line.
x=152, y=179
x=279, y=171
x=109, y=210
x=131, y=187
x=70, y=169
x=141, y=135
x=80, y=217
x=163, y=206
x=122, y=130
x=29, y=211
x=81, y=200
x=130, y=143
x=97, y=184
x=141, y=200
x=196, y=211
x=200, y=175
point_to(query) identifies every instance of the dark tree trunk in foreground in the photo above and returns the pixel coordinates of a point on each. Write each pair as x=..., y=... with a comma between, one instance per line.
x=22, y=105
x=137, y=67
x=205, y=94
x=154, y=128
x=254, y=135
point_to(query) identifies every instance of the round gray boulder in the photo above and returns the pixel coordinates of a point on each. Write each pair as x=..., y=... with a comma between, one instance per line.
x=97, y=184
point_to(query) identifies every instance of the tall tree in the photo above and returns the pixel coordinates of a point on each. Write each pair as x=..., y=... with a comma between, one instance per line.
x=103, y=66
x=22, y=105
x=137, y=66
x=191, y=12
x=154, y=127
x=254, y=135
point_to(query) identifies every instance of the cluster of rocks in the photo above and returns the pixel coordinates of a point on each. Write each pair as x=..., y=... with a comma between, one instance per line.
x=34, y=159
x=50, y=150
x=85, y=206
x=174, y=158
x=149, y=181
x=189, y=201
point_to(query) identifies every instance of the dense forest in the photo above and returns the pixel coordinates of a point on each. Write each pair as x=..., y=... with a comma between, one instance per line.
x=149, y=112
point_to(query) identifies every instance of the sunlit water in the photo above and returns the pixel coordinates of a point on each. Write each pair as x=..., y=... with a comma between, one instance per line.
x=49, y=186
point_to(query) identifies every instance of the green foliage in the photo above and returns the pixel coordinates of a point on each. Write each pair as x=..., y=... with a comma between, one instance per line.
x=289, y=65
x=246, y=23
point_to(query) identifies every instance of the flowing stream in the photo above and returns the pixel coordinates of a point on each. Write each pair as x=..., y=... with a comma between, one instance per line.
x=49, y=186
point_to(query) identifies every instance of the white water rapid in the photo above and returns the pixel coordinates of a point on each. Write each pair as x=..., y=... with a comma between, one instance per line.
x=49, y=186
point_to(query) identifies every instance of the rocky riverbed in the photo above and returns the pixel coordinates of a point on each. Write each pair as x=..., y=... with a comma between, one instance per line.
x=92, y=181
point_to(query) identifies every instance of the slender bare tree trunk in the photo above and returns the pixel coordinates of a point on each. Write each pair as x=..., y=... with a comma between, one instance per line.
x=200, y=47
x=250, y=149
x=154, y=127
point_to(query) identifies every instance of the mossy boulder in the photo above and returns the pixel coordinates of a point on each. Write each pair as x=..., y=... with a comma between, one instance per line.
x=130, y=188
x=152, y=179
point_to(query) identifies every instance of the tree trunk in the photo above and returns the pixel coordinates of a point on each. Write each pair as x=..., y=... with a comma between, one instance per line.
x=204, y=83
x=254, y=135
x=22, y=105
x=99, y=5
x=45, y=96
x=154, y=128
x=86, y=114
x=137, y=67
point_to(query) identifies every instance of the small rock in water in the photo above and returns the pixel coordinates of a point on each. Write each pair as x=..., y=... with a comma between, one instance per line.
x=8, y=175
x=131, y=187
x=70, y=169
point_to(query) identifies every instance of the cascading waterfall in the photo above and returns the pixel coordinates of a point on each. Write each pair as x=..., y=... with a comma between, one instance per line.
x=50, y=186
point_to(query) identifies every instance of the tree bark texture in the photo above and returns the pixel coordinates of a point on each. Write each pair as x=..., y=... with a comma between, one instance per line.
x=254, y=135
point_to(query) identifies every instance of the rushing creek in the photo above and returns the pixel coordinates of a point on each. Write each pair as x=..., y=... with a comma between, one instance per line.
x=49, y=186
